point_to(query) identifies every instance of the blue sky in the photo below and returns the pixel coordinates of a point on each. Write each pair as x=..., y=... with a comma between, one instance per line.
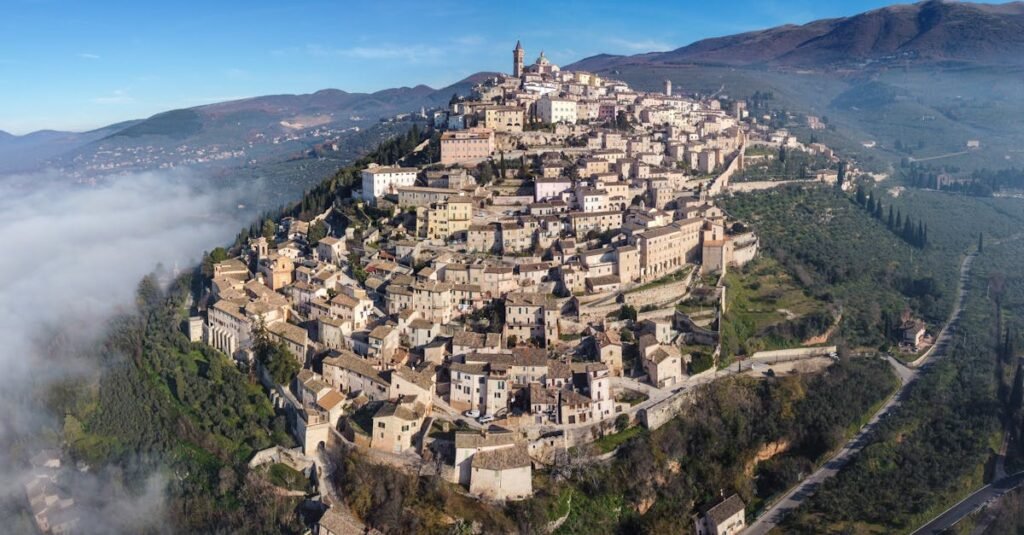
x=80, y=64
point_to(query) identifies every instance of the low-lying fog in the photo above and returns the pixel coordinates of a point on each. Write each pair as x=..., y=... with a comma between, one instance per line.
x=71, y=255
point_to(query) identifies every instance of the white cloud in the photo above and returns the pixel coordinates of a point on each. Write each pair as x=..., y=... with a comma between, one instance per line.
x=408, y=53
x=641, y=45
x=86, y=55
x=469, y=40
x=118, y=96
x=235, y=73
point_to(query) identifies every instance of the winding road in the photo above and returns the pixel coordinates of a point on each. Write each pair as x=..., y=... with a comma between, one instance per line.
x=983, y=496
x=806, y=487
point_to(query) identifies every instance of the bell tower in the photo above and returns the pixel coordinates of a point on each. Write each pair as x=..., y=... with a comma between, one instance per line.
x=518, y=54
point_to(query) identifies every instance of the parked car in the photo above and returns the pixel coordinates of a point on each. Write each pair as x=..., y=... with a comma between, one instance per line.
x=486, y=419
x=472, y=413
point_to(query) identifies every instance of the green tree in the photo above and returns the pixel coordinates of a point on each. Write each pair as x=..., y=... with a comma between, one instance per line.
x=269, y=229
x=317, y=231
x=275, y=357
x=486, y=172
x=214, y=257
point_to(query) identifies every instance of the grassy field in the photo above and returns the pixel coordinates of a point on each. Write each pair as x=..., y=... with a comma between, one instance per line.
x=767, y=309
x=287, y=477
x=608, y=443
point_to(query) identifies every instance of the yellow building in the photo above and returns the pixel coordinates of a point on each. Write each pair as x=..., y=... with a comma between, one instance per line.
x=441, y=221
x=396, y=423
x=504, y=118
x=277, y=271
x=466, y=146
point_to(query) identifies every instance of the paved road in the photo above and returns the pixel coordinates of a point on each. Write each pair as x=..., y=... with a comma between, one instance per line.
x=945, y=335
x=972, y=503
x=803, y=490
x=806, y=488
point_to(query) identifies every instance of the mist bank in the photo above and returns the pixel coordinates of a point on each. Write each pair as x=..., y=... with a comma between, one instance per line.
x=73, y=257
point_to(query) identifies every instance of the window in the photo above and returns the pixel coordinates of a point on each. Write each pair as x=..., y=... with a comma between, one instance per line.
x=380, y=425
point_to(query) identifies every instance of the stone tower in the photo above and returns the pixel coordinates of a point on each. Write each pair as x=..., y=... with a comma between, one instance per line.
x=668, y=88
x=260, y=247
x=518, y=54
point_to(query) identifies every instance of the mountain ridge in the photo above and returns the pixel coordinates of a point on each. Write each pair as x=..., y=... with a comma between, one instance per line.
x=227, y=124
x=930, y=31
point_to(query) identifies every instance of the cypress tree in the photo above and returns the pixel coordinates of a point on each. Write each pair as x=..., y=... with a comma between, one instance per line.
x=1017, y=391
x=891, y=218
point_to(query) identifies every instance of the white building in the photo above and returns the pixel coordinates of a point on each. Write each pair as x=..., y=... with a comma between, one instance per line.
x=554, y=110
x=379, y=181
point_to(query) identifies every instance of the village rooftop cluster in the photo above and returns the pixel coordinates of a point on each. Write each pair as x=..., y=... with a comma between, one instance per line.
x=478, y=319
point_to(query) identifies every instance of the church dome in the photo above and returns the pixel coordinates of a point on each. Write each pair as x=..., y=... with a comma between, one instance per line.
x=542, y=60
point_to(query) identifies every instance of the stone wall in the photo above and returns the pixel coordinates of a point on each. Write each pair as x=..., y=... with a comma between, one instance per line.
x=512, y=200
x=661, y=412
x=276, y=454
x=657, y=313
x=786, y=355
x=660, y=294
x=720, y=183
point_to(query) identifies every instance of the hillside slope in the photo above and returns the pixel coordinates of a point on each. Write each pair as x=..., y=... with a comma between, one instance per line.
x=931, y=31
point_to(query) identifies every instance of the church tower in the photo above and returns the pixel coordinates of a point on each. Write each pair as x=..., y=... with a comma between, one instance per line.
x=517, y=60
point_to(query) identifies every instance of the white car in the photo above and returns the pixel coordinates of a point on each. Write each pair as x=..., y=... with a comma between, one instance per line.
x=486, y=419
x=472, y=413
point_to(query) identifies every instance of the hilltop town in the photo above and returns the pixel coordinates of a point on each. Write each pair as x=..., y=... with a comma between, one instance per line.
x=482, y=314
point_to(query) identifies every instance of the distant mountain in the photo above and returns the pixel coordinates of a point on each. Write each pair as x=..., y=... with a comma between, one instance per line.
x=931, y=31
x=280, y=114
x=30, y=151
x=260, y=128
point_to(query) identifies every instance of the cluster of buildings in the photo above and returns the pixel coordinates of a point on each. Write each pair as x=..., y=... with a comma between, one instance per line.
x=465, y=301
x=53, y=509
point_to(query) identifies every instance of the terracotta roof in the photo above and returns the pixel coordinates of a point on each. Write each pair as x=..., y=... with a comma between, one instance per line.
x=569, y=397
x=659, y=355
x=502, y=459
x=475, y=439
x=540, y=395
x=349, y=361
x=723, y=511
x=338, y=523
x=330, y=400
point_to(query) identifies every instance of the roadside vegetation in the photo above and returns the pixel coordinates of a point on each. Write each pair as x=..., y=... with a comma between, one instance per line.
x=936, y=447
